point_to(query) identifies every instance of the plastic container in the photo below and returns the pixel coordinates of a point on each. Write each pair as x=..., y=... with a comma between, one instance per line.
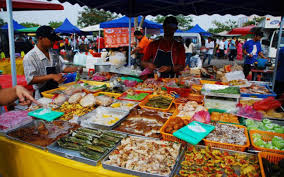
x=234, y=147
x=273, y=94
x=191, y=97
x=271, y=157
x=50, y=116
x=265, y=136
x=183, y=92
x=170, y=137
x=122, y=96
x=115, y=95
x=207, y=82
x=143, y=103
x=50, y=94
x=84, y=81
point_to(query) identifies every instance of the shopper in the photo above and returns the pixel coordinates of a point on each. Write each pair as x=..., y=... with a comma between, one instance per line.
x=195, y=61
x=239, y=50
x=233, y=49
x=43, y=66
x=252, y=49
x=188, y=46
x=221, y=48
x=166, y=55
x=143, y=43
x=210, y=48
x=226, y=48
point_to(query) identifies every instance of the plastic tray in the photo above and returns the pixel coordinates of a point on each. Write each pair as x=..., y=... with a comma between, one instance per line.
x=170, y=137
x=86, y=122
x=115, y=95
x=64, y=86
x=137, y=92
x=207, y=88
x=49, y=93
x=142, y=174
x=273, y=94
x=271, y=157
x=128, y=108
x=183, y=92
x=266, y=136
x=143, y=103
x=233, y=147
x=48, y=117
x=192, y=97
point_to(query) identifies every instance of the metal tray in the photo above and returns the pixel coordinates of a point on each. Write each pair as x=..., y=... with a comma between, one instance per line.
x=124, y=101
x=222, y=150
x=75, y=155
x=206, y=90
x=31, y=124
x=86, y=119
x=143, y=174
x=3, y=132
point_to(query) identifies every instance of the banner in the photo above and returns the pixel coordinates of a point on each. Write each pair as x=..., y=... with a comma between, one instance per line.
x=117, y=37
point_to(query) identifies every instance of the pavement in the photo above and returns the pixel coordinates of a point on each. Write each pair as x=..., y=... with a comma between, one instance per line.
x=219, y=63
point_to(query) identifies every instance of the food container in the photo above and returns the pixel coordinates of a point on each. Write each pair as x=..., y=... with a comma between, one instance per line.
x=265, y=136
x=254, y=95
x=115, y=95
x=207, y=90
x=271, y=157
x=138, y=173
x=75, y=155
x=89, y=120
x=183, y=92
x=102, y=67
x=234, y=147
x=65, y=86
x=231, y=152
x=124, y=105
x=122, y=96
x=52, y=93
x=143, y=103
x=191, y=97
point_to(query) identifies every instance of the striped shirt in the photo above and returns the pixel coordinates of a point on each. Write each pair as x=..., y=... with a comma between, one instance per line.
x=35, y=63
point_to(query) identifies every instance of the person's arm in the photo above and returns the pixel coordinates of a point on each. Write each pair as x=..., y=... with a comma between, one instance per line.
x=135, y=50
x=70, y=69
x=261, y=55
x=245, y=50
x=9, y=95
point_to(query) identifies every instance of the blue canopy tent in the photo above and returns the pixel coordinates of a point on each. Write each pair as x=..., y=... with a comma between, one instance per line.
x=134, y=8
x=178, y=31
x=124, y=22
x=198, y=29
x=15, y=24
x=67, y=28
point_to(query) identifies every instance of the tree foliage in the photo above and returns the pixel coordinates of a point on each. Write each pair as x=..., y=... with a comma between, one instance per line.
x=55, y=24
x=220, y=27
x=255, y=21
x=29, y=24
x=2, y=22
x=184, y=22
x=89, y=17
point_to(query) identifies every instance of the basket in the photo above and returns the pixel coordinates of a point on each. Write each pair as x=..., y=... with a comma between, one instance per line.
x=49, y=94
x=85, y=81
x=192, y=97
x=233, y=147
x=183, y=92
x=115, y=95
x=271, y=157
x=143, y=103
x=207, y=82
x=121, y=97
x=167, y=136
x=265, y=136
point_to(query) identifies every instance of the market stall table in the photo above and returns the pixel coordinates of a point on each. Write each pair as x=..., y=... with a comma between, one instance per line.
x=255, y=72
x=19, y=159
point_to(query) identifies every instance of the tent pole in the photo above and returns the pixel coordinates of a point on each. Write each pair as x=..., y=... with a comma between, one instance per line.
x=99, y=46
x=11, y=42
x=145, y=31
x=129, y=47
x=278, y=53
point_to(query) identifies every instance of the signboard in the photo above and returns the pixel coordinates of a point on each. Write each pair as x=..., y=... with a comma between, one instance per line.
x=117, y=37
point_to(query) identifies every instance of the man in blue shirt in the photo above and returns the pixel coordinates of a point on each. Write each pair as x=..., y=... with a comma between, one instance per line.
x=233, y=49
x=252, y=49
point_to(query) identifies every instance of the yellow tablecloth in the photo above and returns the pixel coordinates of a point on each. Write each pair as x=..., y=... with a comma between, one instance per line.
x=5, y=66
x=22, y=160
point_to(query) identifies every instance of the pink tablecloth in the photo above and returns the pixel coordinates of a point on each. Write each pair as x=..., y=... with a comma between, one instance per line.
x=6, y=81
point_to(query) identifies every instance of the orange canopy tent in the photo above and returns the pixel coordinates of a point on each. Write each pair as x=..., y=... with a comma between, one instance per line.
x=25, y=5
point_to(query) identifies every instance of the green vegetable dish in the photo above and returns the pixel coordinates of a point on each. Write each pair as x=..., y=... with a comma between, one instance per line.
x=228, y=90
x=276, y=142
x=92, y=144
x=264, y=125
x=159, y=102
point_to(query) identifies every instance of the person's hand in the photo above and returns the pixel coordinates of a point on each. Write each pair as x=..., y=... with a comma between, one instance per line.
x=25, y=97
x=151, y=66
x=57, y=78
x=165, y=69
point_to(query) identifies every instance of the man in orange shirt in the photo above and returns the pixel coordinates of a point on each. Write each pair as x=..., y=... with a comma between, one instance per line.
x=142, y=45
x=165, y=55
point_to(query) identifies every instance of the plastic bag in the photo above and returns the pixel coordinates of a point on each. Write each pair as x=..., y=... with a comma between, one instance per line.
x=202, y=116
x=14, y=119
x=73, y=89
x=267, y=104
x=88, y=100
x=249, y=112
x=60, y=99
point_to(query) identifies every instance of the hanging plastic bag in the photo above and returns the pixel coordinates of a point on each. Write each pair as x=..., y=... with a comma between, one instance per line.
x=202, y=116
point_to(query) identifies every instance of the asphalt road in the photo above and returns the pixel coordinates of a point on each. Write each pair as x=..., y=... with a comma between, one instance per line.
x=219, y=63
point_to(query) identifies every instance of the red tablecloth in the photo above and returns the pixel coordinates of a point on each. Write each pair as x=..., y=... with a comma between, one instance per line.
x=6, y=81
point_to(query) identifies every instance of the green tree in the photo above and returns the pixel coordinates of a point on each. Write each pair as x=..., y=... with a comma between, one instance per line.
x=29, y=24
x=2, y=22
x=55, y=24
x=220, y=27
x=184, y=22
x=255, y=21
x=89, y=17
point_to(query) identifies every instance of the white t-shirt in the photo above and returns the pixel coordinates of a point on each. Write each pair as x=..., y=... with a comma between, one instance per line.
x=210, y=47
x=189, y=49
x=221, y=45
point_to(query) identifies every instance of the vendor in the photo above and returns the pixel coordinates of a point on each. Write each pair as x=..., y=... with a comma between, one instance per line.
x=142, y=45
x=252, y=49
x=42, y=66
x=165, y=55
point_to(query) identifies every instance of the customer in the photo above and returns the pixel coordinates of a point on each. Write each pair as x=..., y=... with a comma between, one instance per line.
x=195, y=61
x=239, y=50
x=226, y=48
x=165, y=54
x=43, y=66
x=233, y=49
x=221, y=48
x=188, y=51
x=252, y=49
x=143, y=43
x=210, y=48
x=9, y=95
